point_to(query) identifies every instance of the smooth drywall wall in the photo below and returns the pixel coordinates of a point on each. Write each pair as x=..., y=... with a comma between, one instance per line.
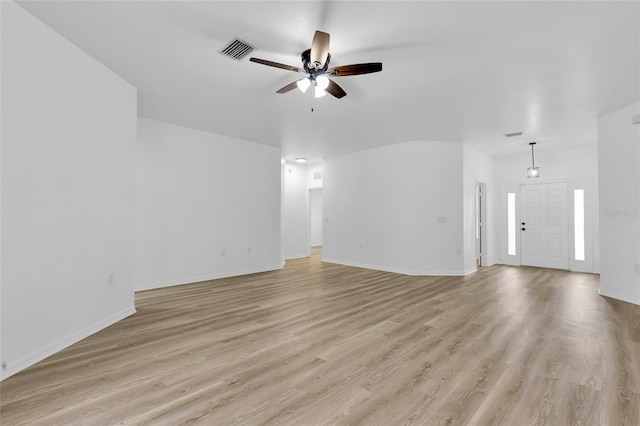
x=314, y=175
x=396, y=208
x=619, y=177
x=479, y=168
x=295, y=236
x=68, y=171
x=577, y=166
x=207, y=206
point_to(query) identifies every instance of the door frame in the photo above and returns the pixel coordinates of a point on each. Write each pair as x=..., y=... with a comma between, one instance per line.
x=586, y=265
x=481, y=223
x=508, y=259
x=590, y=226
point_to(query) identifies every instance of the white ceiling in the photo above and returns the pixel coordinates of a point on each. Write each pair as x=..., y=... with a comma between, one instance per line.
x=469, y=71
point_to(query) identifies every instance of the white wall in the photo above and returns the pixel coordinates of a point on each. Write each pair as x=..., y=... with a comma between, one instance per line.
x=382, y=208
x=312, y=180
x=479, y=167
x=577, y=167
x=619, y=173
x=68, y=164
x=207, y=206
x=295, y=236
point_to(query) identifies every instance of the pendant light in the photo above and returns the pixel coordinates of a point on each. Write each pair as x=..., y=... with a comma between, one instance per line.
x=533, y=171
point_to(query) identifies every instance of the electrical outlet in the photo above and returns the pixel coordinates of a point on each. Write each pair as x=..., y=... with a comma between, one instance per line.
x=110, y=279
x=637, y=268
x=442, y=219
x=249, y=249
x=223, y=252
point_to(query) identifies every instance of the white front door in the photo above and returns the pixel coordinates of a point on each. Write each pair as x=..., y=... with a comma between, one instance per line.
x=544, y=228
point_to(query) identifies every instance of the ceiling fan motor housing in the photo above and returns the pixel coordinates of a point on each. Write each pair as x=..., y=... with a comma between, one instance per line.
x=310, y=67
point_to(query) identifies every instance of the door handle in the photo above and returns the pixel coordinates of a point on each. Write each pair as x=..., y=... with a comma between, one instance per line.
x=523, y=229
x=523, y=223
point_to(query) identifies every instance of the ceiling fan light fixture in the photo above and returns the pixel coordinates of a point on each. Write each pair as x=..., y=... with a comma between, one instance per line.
x=322, y=82
x=318, y=92
x=303, y=84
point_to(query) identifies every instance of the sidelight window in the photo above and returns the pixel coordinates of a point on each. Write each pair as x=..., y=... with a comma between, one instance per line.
x=511, y=223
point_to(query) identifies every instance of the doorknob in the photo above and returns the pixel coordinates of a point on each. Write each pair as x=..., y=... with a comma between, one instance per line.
x=523, y=229
x=523, y=223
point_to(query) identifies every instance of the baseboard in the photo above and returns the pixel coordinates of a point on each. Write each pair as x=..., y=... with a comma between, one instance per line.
x=200, y=278
x=624, y=297
x=470, y=271
x=37, y=356
x=296, y=256
x=418, y=273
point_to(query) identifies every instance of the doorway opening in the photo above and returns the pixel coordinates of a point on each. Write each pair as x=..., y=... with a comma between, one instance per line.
x=315, y=221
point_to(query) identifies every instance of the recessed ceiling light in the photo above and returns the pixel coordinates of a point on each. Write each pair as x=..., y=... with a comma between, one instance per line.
x=301, y=160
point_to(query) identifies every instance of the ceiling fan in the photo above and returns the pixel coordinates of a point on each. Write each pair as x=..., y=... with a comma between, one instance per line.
x=315, y=63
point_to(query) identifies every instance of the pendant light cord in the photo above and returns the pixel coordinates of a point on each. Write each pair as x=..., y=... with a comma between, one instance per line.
x=533, y=162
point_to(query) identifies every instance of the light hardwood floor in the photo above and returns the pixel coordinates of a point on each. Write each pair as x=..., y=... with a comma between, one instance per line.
x=327, y=344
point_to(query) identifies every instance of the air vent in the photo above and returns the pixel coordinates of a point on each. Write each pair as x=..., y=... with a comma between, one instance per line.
x=511, y=135
x=237, y=49
x=317, y=176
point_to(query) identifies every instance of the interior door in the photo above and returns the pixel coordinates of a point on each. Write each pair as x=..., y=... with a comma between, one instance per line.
x=544, y=226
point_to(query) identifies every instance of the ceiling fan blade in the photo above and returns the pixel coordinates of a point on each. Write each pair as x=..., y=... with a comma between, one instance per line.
x=335, y=90
x=276, y=64
x=320, y=49
x=355, y=69
x=289, y=87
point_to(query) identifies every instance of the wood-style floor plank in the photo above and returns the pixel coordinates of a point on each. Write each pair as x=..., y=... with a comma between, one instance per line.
x=320, y=343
